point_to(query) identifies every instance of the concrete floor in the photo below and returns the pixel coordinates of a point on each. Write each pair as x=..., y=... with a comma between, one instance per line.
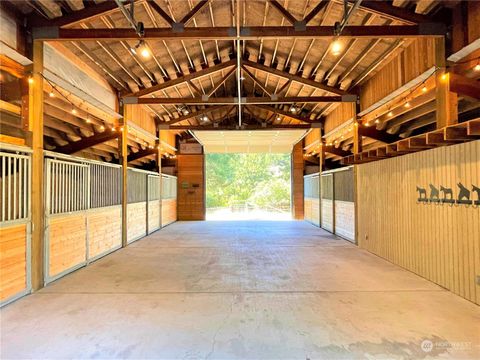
x=241, y=290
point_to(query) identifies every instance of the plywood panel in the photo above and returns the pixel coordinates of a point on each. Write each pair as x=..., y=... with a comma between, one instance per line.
x=169, y=211
x=439, y=241
x=136, y=221
x=153, y=215
x=315, y=212
x=191, y=187
x=345, y=219
x=104, y=230
x=67, y=243
x=326, y=190
x=13, y=264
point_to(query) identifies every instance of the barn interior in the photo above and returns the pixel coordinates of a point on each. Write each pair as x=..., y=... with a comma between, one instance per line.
x=107, y=111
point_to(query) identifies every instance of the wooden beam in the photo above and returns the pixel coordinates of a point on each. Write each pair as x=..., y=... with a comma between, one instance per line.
x=87, y=142
x=234, y=100
x=85, y=14
x=141, y=154
x=337, y=151
x=220, y=83
x=246, y=33
x=255, y=80
x=285, y=13
x=464, y=86
x=160, y=12
x=123, y=156
x=193, y=114
x=315, y=11
x=293, y=77
x=185, y=78
x=284, y=113
x=447, y=112
x=243, y=127
x=384, y=9
x=379, y=135
x=191, y=14
x=37, y=201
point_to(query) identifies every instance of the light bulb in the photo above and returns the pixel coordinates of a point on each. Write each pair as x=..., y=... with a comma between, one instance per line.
x=51, y=94
x=407, y=104
x=377, y=121
x=30, y=80
x=336, y=48
x=444, y=77
x=74, y=111
x=477, y=67
x=390, y=114
x=424, y=89
x=102, y=127
x=145, y=52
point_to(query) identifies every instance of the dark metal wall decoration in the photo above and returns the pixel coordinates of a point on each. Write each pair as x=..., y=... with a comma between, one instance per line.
x=445, y=195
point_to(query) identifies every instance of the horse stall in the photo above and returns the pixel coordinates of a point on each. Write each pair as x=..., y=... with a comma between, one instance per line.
x=344, y=205
x=312, y=198
x=169, y=199
x=15, y=223
x=154, y=202
x=327, y=214
x=83, y=212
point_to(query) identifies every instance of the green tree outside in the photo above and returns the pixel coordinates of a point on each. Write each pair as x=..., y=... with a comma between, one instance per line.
x=259, y=179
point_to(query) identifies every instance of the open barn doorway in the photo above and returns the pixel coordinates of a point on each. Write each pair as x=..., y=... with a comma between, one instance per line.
x=248, y=186
x=248, y=174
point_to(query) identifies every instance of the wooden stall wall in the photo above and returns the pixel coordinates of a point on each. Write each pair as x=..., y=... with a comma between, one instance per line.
x=312, y=199
x=104, y=230
x=154, y=203
x=137, y=205
x=67, y=243
x=327, y=215
x=191, y=187
x=344, y=204
x=13, y=261
x=169, y=199
x=297, y=181
x=403, y=218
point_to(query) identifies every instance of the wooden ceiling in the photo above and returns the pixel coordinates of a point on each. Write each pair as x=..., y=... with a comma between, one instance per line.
x=287, y=80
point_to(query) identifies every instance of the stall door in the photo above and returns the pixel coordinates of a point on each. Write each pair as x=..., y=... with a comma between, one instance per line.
x=326, y=188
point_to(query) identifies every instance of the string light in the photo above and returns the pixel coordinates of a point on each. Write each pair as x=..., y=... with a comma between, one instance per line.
x=444, y=77
x=102, y=127
x=407, y=104
x=74, y=111
x=51, y=94
x=30, y=80
x=390, y=114
x=377, y=121
x=424, y=89
x=477, y=67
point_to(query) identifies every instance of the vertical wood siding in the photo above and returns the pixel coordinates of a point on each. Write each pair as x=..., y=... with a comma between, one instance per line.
x=13, y=262
x=438, y=241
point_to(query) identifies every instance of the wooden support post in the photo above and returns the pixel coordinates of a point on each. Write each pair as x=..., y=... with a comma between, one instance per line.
x=297, y=181
x=123, y=156
x=357, y=136
x=37, y=200
x=446, y=101
x=158, y=146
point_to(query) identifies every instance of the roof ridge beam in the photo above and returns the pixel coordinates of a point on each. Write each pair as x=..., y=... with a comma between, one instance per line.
x=132, y=100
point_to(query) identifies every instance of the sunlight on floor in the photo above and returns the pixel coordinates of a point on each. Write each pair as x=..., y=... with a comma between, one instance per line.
x=226, y=214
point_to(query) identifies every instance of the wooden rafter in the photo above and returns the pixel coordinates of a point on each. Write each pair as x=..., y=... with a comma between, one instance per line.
x=383, y=8
x=285, y=13
x=141, y=154
x=285, y=113
x=161, y=12
x=185, y=78
x=319, y=7
x=379, y=135
x=191, y=14
x=87, y=142
x=465, y=86
x=293, y=77
x=194, y=114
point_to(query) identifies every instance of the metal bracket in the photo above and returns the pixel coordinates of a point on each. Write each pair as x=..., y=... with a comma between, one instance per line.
x=178, y=27
x=130, y=100
x=300, y=25
x=205, y=97
x=48, y=32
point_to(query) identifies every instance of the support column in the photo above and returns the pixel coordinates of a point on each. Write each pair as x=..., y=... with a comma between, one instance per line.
x=446, y=101
x=357, y=136
x=297, y=181
x=123, y=156
x=37, y=201
x=158, y=146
